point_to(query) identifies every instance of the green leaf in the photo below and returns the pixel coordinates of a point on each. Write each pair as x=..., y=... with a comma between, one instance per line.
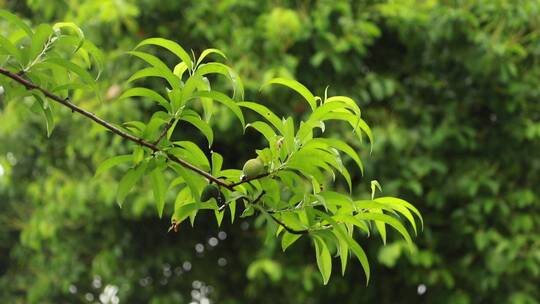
x=359, y=253
x=264, y=112
x=153, y=128
x=72, y=67
x=219, y=217
x=288, y=125
x=392, y=201
x=387, y=220
x=171, y=46
x=128, y=181
x=298, y=87
x=263, y=128
x=288, y=239
x=324, y=260
x=96, y=53
x=347, y=101
x=353, y=245
x=138, y=154
x=374, y=185
x=46, y=109
x=349, y=219
x=331, y=107
x=232, y=208
x=208, y=52
x=352, y=119
x=16, y=21
x=220, y=68
x=375, y=204
x=193, y=118
x=217, y=162
x=185, y=211
x=10, y=49
x=194, y=181
x=342, y=146
x=343, y=251
x=159, y=188
x=196, y=152
x=381, y=227
x=150, y=94
x=180, y=69
x=146, y=72
x=162, y=69
x=70, y=25
x=225, y=100
x=112, y=162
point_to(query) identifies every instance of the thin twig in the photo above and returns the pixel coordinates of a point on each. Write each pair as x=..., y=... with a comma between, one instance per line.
x=247, y=180
x=287, y=228
x=279, y=222
x=165, y=130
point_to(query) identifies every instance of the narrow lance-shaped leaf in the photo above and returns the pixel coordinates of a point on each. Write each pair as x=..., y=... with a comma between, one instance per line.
x=72, y=67
x=264, y=112
x=77, y=30
x=112, y=162
x=208, y=52
x=8, y=48
x=194, y=119
x=164, y=71
x=159, y=188
x=349, y=102
x=150, y=94
x=171, y=46
x=264, y=129
x=217, y=162
x=353, y=245
x=298, y=87
x=324, y=260
x=374, y=204
x=343, y=251
x=220, y=68
x=288, y=239
x=16, y=21
x=225, y=100
x=387, y=220
x=46, y=110
x=128, y=181
x=393, y=201
x=39, y=40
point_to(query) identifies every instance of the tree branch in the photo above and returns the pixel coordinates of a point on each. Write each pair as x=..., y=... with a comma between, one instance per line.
x=65, y=102
x=278, y=221
x=247, y=180
x=165, y=130
x=287, y=228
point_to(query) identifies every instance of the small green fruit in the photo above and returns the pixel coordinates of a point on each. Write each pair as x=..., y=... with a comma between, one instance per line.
x=211, y=191
x=253, y=167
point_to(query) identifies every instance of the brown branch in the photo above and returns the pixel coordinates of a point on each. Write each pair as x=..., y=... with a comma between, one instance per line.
x=65, y=102
x=287, y=228
x=279, y=222
x=165, y=130
x=247, y=180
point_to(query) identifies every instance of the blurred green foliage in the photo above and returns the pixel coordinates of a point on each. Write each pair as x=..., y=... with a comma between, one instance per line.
x=451, y=86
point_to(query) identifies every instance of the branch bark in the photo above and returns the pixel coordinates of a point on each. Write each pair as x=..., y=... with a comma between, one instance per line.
x=165, y=130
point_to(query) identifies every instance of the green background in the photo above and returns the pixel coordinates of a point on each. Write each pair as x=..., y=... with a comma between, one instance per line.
x=450, y=88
